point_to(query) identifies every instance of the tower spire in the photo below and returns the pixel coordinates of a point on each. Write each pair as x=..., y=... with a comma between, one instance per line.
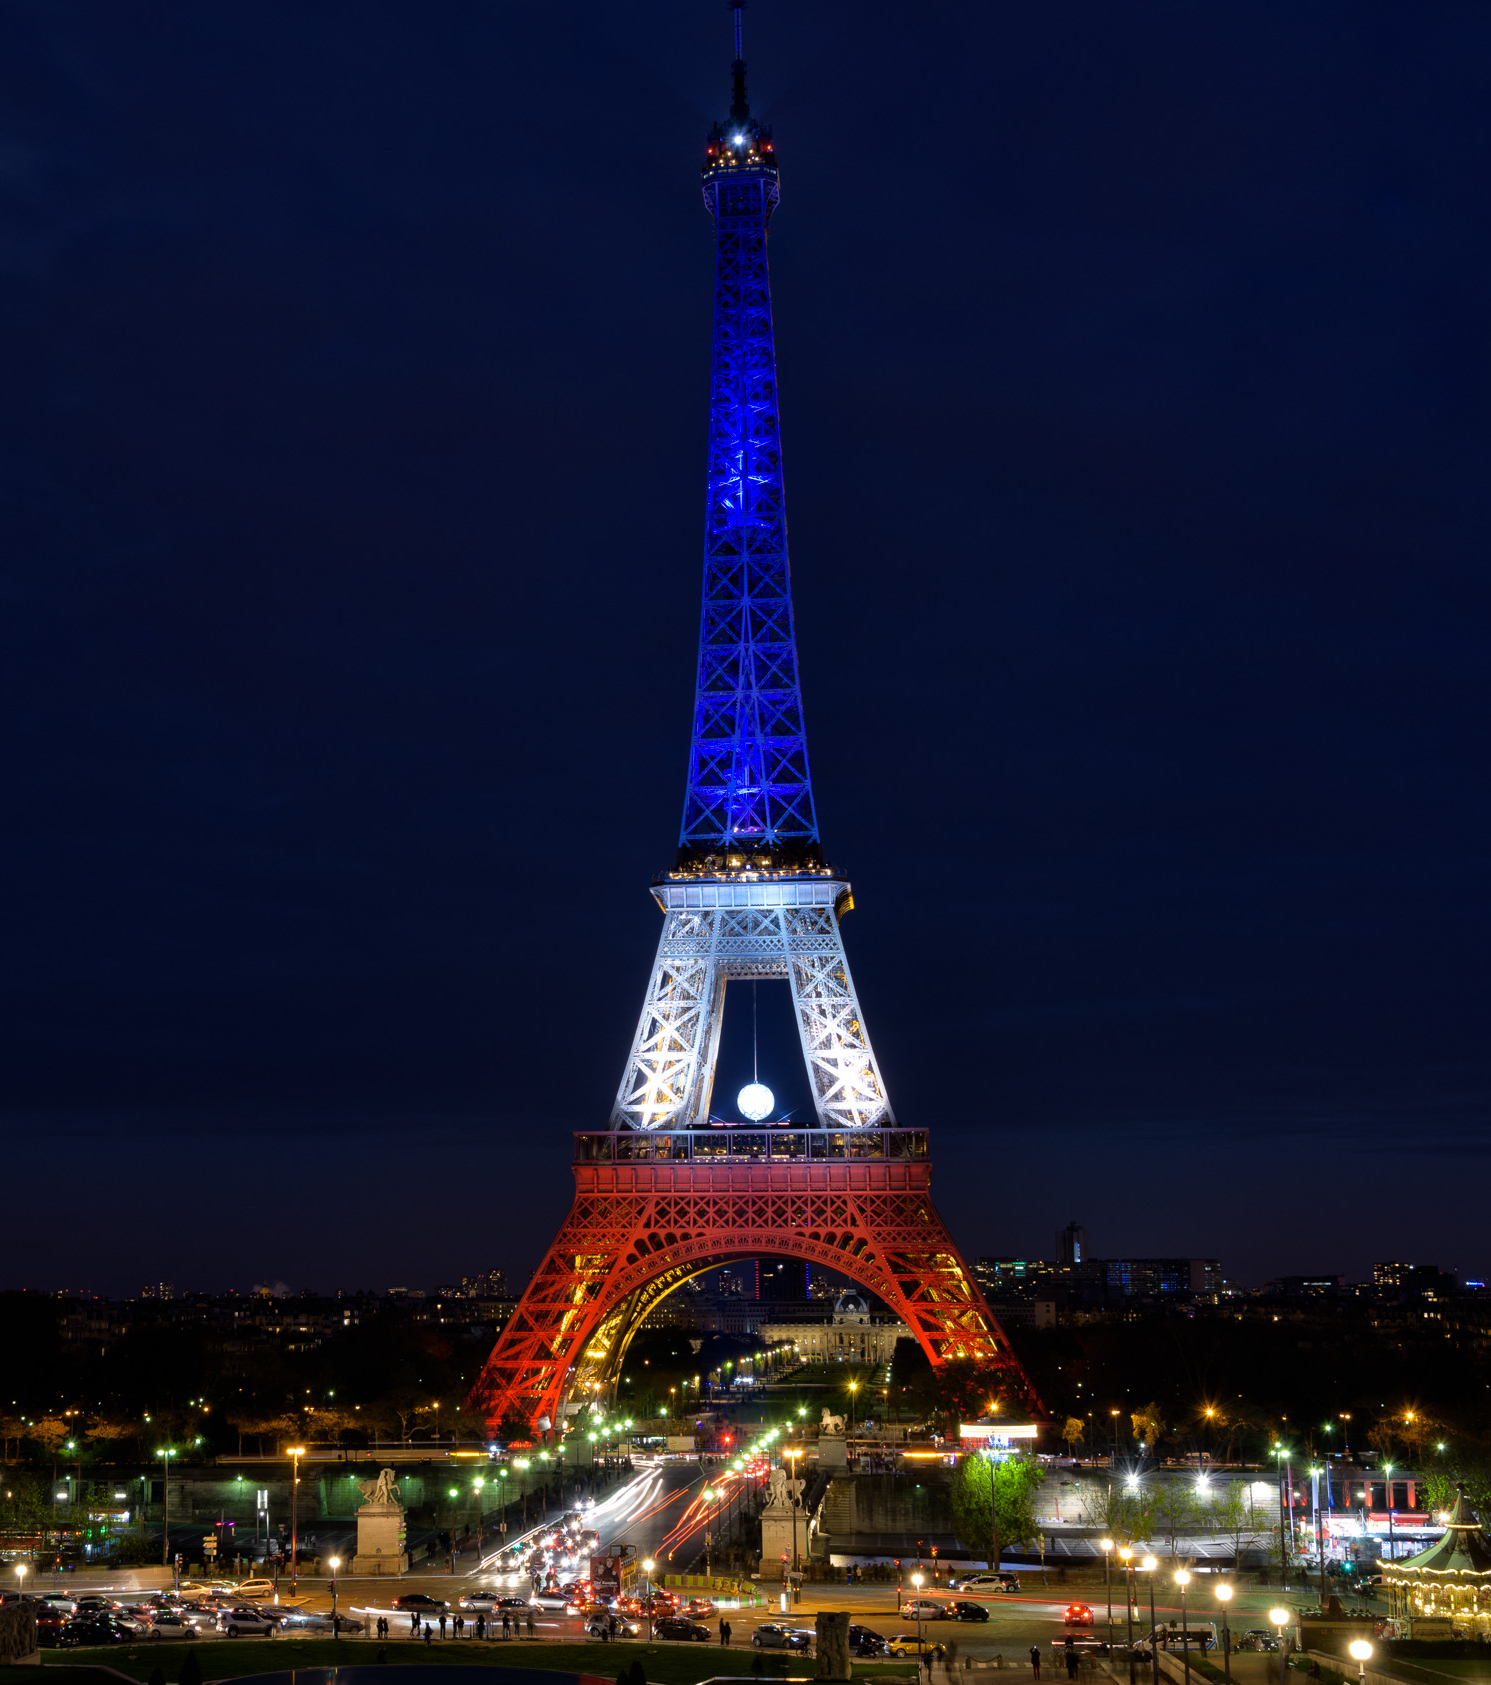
x=739, y=109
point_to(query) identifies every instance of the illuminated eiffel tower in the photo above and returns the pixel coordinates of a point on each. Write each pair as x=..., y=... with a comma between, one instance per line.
x=661, y=1195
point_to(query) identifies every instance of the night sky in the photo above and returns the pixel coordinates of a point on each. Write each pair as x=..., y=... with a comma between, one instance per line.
x=1135, y=379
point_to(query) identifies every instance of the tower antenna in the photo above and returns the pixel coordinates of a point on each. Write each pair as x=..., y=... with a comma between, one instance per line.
x=738, y=106
x=755, y=1067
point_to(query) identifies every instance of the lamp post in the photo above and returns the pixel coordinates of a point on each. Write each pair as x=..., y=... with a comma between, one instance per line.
x=521, y=1465
x=476, y=1486
x=165, y=1455
x=916, y=1580
x=20, y=1579
x=1107, y=1549
x=1183, y=1579
x=709, y=1495
x=1126, y=1556
x=794, y=1452
x=1149, y=1565
x=336, y=1625
x=1387, y=1470
x=1361, y=1654
x=853, y=1388
x=1280, y=1618
x=296, y=1453
x=1224, y=1597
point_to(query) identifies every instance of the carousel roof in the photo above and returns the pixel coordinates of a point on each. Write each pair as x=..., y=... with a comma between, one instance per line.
x=1462, y=1552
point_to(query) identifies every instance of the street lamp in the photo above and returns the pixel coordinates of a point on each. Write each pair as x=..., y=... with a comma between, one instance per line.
x=1361, y=1654
x=1149, y=1564
x=916, y=1580
x=1126, y=1556
x=1387, y=1469
x=20, y=1578
x=1183, y=1579
x=477, y=1485
x=336, y=1626
x=708, y=1495
x=794, y=1452
x=1106, y=1546
x=521, y=1465
x=1224, y=1597
x=853, y=1388
x=1280, y=1618
x=165, y=1455
x=296, y=1452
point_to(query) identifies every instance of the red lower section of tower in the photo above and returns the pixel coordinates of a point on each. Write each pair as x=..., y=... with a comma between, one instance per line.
x=633, y=1223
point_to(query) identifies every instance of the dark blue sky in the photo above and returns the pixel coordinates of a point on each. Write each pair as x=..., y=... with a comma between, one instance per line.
x=1136, y=385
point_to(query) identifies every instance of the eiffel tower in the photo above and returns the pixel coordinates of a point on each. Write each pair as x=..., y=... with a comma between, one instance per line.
x=661, y=1194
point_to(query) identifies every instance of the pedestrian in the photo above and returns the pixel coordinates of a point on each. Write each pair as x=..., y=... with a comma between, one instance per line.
x=1071, y=1658
x=442, y=1623
x=1035, y=1660
x=507, y=1630
x=530, y=1623
x=414, y=1624
x=429, y=1632
x=724, y=1631
x=481, y=1627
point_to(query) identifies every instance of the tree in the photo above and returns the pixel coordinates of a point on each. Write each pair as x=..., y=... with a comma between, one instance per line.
x=1148, y=1425
x=1073, y=1433
x=1236, y=1517
x=1176, y=1510
x=994, y=1504
x=1124, y=1512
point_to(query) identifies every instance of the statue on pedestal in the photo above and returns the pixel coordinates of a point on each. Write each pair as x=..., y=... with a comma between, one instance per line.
x=382, y=1544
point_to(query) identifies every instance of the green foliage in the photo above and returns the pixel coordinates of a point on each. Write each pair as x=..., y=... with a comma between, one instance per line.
x=1233, y=1513
x=1127, y=1516
x=994, y=1504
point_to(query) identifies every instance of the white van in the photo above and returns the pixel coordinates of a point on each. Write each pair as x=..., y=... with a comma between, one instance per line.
x=1195, y=1635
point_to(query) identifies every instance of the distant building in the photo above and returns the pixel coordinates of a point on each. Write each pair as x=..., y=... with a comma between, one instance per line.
x=781, y=1278
x=852, y=1336
x=1071, y=1244
x=158, y=1290
x=1162, y=1278
x=1305, y=1286
x=1000, y=1275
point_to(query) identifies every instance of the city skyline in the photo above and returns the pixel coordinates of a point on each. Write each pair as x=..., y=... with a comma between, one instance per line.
x=1132, y=427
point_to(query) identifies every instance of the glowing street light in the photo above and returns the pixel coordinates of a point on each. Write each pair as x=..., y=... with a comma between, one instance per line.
x=1280, y=1618
x=1224, y=1597
x=1183, y=1579
x=295, y=1452
x=336, y=1625
x=1361, y=1654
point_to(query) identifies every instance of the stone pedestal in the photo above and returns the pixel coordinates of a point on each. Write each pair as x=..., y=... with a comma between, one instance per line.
x=382, y=1547
x=833, y=1451
x=776, y=1542
x=832, y=1627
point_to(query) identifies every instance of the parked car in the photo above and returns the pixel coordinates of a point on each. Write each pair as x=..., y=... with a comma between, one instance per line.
x=675, y=1626
x=1078, y=1614
x=1196, y=1635
x=908, y=1644
x=962, y=1610
x=923, y=1609
x=865, y=1642
x=984, y=1581
x=411, y=1600
x=771, y=1637
x=245, y=1622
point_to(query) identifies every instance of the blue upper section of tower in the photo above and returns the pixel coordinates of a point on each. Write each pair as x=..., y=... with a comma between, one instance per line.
x=750, y=795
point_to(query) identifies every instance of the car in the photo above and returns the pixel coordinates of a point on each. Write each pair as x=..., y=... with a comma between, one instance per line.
x=863, y=1641
x=1194, y=1635
x=1077, y=1614
x=60, y=1600
x=962, y=1610
x=606, y=1625
x=411, y=1600
x=168, y=1624
x=563, y=1601
x=51, y=1628
x=675, y=1626
x=91, y=1604
x=245, y=1622
x=772, y=1637
x=923, y=1609
x=246, y=1591
x=97, y=1629
x=908, y=1644
x=991, y=1581
x=316, y=1620
x=1256, y=1638
x=481, y=1600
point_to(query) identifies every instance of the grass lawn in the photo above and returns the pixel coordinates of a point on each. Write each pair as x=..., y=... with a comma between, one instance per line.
x=233, y=1658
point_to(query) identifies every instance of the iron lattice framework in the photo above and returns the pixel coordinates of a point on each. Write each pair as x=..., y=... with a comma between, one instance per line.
x=659, y=1197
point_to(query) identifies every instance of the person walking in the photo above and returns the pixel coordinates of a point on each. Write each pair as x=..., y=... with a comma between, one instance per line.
x=1035, y=1661
x=414, y=1624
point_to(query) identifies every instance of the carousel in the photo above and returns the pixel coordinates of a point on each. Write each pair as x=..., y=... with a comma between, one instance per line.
x=1449, y=1582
